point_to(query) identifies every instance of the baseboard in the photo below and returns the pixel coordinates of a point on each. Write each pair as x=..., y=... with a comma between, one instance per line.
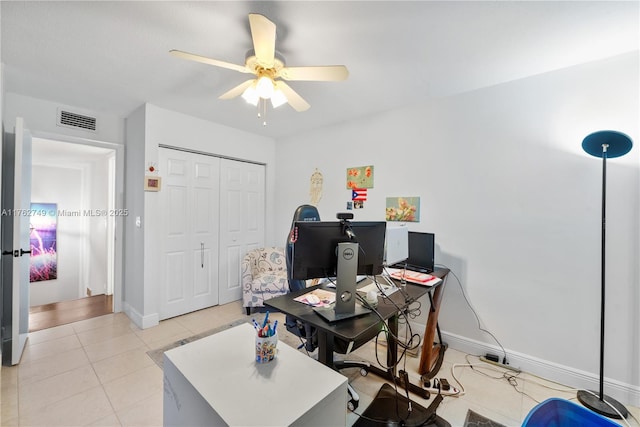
x=142, y=322
x=625, y=393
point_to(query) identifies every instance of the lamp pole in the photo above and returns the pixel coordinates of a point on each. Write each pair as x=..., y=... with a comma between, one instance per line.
x=605, y=144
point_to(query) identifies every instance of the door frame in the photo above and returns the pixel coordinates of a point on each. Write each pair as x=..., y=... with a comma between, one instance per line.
x=118, y=245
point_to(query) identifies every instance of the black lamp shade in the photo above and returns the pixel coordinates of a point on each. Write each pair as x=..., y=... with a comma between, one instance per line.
x=618, y=143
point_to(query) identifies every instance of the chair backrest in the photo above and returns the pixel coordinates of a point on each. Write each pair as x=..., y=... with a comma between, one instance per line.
x=302, y=213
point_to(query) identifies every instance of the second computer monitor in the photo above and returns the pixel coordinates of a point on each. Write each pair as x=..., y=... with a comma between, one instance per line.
x=421, y=251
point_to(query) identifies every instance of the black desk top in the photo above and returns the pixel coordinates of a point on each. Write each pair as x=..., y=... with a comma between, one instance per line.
x=351, y=329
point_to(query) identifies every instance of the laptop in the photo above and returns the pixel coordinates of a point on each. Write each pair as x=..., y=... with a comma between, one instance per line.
x=421, y=253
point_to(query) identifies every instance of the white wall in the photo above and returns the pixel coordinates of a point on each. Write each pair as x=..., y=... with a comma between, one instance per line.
x=146, y=129
x=62, y=186
x=96, y=199
x=133, y=287
x=40, y=115
x=515, y=206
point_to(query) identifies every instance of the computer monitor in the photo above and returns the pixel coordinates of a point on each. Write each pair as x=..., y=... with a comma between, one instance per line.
x=340, y=249
x=315, y=244
x=396, y=245
x=421, y=251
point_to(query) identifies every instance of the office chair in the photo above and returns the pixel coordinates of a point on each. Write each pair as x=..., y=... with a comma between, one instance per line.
x=308, y=333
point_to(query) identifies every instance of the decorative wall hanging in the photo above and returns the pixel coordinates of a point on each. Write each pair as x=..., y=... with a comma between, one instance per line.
x=152, y=183
x=403, y=209
x=315, y=187
x=43, y=236
x=360, y=177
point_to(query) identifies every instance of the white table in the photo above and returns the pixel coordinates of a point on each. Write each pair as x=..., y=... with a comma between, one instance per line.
x=215, y=381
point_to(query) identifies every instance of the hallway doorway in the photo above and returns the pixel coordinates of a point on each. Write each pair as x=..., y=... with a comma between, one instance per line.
x=78, y=180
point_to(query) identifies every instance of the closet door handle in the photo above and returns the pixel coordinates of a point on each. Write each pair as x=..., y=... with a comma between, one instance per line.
x=201, y=254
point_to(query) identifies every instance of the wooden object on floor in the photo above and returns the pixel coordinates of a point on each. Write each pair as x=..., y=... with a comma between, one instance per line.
x=432, y=352
x=61, y=313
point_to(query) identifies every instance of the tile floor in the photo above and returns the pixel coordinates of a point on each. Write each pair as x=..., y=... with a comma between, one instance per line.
x=96, y=373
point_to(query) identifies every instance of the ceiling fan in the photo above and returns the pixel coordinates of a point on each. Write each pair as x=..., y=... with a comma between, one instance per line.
x=269, y=68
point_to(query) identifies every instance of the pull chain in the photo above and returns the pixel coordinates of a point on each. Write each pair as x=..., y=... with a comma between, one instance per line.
x=262, y=110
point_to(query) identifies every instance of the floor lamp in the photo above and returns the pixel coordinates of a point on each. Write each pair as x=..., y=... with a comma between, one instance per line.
x=604, y=144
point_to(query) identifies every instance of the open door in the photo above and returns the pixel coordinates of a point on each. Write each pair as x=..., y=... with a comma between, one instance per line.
x=16, y=211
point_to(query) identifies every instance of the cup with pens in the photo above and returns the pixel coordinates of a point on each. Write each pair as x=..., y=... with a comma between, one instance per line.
x=266, y=340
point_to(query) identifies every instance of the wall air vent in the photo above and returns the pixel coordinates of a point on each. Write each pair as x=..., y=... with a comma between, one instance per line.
x=76, y=121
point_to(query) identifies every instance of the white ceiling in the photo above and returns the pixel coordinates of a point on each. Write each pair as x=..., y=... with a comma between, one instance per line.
x=113, y=56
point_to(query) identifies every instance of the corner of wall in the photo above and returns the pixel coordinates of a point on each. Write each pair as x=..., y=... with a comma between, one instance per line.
x=141, y=321
x=133, y=288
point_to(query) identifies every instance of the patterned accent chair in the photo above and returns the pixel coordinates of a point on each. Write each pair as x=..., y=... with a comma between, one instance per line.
x=264, y=276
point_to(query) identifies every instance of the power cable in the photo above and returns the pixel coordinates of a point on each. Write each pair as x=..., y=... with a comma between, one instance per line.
x=464, y=294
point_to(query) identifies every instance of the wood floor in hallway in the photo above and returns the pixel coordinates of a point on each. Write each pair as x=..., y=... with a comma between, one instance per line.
x=61, y=313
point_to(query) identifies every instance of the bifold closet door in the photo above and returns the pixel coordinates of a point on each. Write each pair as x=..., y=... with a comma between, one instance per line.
x=242, y=219
x=189, y=200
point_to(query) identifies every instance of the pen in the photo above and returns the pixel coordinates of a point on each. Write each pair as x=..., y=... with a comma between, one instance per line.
x=255, y=324
x=275, y=325
x=266, y=319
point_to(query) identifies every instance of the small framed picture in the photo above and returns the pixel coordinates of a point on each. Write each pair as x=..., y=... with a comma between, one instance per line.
x=152, y=183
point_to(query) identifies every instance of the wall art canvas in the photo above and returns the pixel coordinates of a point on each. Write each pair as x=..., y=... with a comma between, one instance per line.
x=360, y=177
x=44, y=242
x=406, y=209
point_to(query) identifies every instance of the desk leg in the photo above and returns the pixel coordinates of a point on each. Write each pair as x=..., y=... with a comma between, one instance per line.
x=325, y=348
x=432, y=354
x=392, y=345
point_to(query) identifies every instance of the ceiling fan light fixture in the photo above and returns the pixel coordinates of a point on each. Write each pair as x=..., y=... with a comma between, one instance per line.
x=268, y=66
x=251, y=95
x=278, y=98
x=264, y=87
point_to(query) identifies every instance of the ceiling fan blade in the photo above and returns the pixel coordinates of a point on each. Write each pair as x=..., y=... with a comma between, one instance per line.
x=263, y=33
x=293, y=98
x=238, y=90
x=319, y=73
x=210, y=61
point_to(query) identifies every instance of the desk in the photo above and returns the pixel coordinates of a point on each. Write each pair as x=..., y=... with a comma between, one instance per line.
x=352, y=329
x=215, y=381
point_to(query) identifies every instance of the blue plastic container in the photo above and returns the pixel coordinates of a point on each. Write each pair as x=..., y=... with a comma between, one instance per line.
x=556, y=412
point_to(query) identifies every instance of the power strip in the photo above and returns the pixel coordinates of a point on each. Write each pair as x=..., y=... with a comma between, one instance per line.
x=440, y=386
x=451, y=392
x=498, y=364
